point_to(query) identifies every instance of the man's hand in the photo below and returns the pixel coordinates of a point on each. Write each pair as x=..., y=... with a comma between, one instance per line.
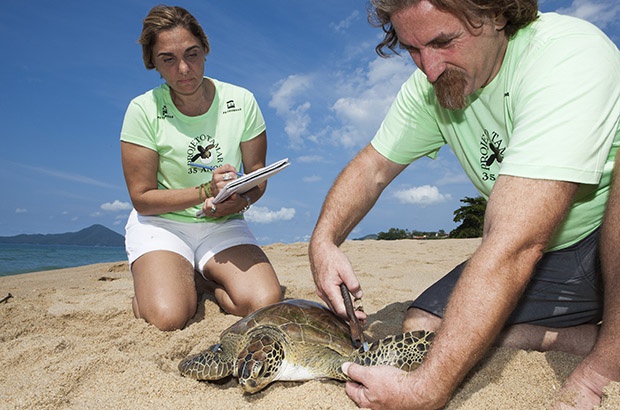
x=330, y=268
x=386, y=387
x=355, y=191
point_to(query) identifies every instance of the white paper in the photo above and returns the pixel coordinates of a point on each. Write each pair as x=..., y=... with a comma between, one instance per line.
x=246, y=182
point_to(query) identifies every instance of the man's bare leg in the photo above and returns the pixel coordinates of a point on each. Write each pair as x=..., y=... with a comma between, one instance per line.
x=576, y=340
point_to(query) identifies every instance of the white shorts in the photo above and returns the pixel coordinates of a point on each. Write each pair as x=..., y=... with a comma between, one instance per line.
x=196, y=242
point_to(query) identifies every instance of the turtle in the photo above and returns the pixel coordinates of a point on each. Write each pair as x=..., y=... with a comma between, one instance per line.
x=297, y=340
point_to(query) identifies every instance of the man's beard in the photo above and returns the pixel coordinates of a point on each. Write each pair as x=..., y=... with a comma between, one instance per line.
x=450, y=89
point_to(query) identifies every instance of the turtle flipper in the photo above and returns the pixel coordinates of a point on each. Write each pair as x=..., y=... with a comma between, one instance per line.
x=212, y=364
x=405, y=351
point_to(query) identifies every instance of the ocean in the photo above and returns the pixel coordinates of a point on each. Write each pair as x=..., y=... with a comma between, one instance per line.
x=22, y=258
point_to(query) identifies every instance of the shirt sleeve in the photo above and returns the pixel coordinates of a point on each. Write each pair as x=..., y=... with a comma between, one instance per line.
x=409, y=130
x=137, y=128
x=565, y=115
x=254, y=121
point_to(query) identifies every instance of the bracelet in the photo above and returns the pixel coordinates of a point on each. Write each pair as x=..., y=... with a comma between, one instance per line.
x=207, y=188
x=199, y=188
x=248, y=205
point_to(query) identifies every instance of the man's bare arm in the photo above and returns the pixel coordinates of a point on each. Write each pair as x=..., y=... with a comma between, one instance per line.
x=522, y=215
x=354, y=193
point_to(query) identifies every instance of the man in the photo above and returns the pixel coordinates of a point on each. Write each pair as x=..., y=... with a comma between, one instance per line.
x=530, y=105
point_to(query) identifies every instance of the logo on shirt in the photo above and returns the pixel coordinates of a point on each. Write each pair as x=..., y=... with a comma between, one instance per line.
x=204, y=150
x=491, y=152
x=164, y=114
x=231, y=107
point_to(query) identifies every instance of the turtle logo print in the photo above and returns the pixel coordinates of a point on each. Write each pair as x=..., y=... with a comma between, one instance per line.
x=205, y=150
x=491, y=152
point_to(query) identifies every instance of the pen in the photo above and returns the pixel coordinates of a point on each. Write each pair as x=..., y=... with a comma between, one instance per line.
x=210, y=168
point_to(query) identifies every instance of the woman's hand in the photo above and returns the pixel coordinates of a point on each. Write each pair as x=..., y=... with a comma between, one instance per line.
x=221, y=177
x=234, y=204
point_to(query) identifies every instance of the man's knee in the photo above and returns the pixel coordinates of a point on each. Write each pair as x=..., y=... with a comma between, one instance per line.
x=417, y=319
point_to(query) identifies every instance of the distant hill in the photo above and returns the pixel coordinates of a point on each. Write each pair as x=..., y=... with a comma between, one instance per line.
x=96, y=235
x=372, y=236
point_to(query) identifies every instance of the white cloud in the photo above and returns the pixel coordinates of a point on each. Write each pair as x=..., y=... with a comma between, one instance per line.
x=358, y=101
x=453, y=178
x=370, y=93
x=263, y=215
x=71, y=177
x=21, y=211
x=422, y=195
x=601, y=13
x=312, y=178
x=116, y=206
x=346, y=23
x=310, y=158
x=285, y=101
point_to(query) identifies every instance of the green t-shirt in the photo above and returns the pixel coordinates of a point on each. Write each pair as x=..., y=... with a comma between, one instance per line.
x=213, y=139
x=552, y=112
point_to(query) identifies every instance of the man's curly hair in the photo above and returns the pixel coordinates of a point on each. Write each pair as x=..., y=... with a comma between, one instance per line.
x=518, y=14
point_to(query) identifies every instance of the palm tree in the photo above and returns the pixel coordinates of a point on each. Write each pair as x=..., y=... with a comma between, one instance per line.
x=471, y=217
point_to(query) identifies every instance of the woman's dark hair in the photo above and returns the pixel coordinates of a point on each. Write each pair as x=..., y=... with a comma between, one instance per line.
x=162, y=18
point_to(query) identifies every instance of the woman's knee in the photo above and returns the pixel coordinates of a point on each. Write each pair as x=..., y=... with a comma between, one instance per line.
x=164, y=288
x=164, y=315
x=268, y=297
x=249, y=302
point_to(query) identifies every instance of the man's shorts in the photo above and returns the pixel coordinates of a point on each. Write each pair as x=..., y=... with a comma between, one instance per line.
x=566, y=289
x=196, y=242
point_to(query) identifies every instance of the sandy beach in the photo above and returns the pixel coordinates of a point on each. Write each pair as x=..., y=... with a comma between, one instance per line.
x=70, y=341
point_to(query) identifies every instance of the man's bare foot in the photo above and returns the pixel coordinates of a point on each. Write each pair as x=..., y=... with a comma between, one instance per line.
x=583, y=389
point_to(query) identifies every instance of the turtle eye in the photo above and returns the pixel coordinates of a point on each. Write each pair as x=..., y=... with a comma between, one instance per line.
x=257, y=369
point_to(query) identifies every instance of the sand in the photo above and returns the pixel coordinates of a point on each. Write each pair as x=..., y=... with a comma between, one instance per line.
x=70, y=341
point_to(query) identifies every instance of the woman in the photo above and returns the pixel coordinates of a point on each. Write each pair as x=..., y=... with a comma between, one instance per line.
x=191, y=119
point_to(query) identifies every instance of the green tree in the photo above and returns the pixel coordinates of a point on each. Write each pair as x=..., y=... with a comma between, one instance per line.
x=471, y=217
x=393, y=234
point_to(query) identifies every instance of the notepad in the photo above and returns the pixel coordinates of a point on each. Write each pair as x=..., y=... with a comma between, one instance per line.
x=243, y=184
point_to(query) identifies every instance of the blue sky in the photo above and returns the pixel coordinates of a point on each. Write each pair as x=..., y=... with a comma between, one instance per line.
x=71, y=67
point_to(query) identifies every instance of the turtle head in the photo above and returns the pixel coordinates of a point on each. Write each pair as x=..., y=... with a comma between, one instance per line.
x=258, y=363
x=212, y=364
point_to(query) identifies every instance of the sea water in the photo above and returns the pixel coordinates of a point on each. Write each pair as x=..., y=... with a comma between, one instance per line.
x=22, y=258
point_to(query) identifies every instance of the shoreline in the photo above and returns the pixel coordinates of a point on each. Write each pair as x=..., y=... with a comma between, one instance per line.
x=70, y=339
x=18, y=259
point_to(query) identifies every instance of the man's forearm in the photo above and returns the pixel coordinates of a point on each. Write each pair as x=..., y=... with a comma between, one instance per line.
x=353, y=194
x=479, y=306
x=520, y=218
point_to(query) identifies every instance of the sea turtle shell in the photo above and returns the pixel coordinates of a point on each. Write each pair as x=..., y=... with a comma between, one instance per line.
x=297, y=340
